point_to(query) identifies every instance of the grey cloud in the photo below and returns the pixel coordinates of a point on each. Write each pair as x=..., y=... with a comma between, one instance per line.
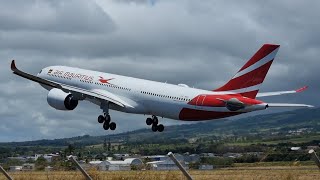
x=73, y=16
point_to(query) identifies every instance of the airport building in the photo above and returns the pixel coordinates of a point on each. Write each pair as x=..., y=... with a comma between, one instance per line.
x=126, y=165
x=163, y=162
x=167, y=164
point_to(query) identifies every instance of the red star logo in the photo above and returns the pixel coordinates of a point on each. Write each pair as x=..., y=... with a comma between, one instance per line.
x=102, y=80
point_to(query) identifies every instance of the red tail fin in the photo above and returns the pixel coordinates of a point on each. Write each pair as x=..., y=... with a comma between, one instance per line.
x=248, y=79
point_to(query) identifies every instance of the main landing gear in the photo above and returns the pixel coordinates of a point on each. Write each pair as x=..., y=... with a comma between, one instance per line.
x=105, y=118
x=154, y=122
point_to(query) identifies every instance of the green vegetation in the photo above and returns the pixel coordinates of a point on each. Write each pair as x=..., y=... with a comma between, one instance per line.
x=271, y=135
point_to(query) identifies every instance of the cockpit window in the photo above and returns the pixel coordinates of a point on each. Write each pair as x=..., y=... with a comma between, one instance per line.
x=40, y=71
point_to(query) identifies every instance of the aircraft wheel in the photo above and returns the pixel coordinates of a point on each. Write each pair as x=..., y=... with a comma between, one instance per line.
x=154, y=128
x=108, y=118
x=100, y=119
x=149, y=121
x=155, y=120
x=106, y=125
x=113, y=126
x=160, y=127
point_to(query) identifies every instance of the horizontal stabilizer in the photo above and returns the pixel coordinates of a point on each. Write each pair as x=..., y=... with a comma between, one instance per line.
x=288, y=105
x=277, y=93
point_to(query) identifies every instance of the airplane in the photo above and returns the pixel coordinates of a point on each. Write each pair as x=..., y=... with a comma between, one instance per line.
x=69, y=85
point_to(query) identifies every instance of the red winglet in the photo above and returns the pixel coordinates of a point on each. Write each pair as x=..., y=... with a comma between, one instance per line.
x=302, y=89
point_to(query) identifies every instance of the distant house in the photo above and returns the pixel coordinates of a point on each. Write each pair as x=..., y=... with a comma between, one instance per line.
x=205, y=167
x=208, y=155
x=15, y=168
x=48, y=157
x=156, y=158
x=28, y=167
x=193, y=158
x=52, y=157
x=232, y=155
x=179, y=157
x=295, y=148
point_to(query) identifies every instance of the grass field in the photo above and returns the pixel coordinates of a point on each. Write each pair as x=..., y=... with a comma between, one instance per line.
x=269, y=173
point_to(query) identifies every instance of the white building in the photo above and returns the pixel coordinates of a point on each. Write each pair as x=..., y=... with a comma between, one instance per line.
x=164, y=162
x=125, y=165
x=167, y=164
x=15, y=168
x=179, y=157
x=118, y=166
x=205, y=167
x=48, y=157
x=295, y=148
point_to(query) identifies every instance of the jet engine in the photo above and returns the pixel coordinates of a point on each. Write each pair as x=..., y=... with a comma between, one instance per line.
x=60, y=100
x=234, y=104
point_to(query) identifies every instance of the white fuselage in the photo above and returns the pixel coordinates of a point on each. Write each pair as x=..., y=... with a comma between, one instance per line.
x=144, y=96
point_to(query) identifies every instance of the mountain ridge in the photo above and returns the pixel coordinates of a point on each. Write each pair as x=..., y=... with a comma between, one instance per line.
x=283, y=121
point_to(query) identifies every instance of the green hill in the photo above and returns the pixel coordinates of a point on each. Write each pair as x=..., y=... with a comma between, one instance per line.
x=259, y=126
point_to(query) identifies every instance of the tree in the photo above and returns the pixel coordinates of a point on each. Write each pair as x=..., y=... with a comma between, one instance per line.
x=70, y=149
x=109, y=146
x=105, y=143
x=41, y=163
x=79, y=156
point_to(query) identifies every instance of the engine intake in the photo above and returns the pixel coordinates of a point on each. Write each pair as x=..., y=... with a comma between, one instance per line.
x=60, y=100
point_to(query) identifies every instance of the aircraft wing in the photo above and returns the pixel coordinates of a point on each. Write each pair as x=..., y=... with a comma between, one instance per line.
x=277, y=93
x=94, y=94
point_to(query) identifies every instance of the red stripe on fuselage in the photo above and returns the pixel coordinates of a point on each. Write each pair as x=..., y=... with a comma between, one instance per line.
x=187, y=114
x=218, y=100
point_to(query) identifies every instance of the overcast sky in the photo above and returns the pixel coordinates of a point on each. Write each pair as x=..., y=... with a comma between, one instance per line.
x=199, y=43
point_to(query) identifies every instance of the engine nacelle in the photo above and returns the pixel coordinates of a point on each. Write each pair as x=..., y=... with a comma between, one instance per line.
x=234, y=104
x=60, y=100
